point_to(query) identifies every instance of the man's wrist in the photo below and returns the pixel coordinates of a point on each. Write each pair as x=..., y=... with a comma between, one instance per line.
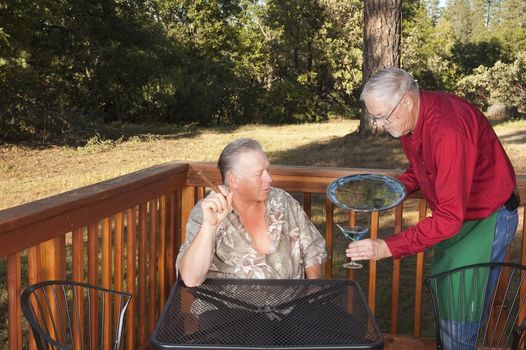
x=208, y=227
x=385, y=252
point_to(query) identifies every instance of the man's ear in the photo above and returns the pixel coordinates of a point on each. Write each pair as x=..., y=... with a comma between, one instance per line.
x=232, y=180
x=409, y=101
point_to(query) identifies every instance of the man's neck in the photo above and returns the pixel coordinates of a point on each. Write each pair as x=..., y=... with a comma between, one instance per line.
x=242, y=206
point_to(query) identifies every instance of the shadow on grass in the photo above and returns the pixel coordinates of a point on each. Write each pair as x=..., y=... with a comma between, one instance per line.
x=80, y=134
x=348, y=151
x=518, y=137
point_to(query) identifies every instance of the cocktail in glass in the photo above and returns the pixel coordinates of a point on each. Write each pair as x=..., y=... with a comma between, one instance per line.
x=353, y=233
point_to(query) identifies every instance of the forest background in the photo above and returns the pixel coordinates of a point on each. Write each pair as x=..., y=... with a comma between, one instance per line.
x=69, y=66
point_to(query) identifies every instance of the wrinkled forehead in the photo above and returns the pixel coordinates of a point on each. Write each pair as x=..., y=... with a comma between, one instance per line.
x=376, y=105
x=381, y=98
x=250, y=162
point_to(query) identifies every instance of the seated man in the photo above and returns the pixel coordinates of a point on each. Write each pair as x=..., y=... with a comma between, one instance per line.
x=250, y=230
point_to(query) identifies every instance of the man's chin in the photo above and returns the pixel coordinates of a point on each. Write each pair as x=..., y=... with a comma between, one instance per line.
x=395, y=134
x=264, y=195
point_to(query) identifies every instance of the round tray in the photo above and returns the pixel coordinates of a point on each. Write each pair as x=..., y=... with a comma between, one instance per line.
x=366, y=192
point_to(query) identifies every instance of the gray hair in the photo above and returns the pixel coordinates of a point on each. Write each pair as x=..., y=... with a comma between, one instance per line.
x=389, y=84
x=228, y=156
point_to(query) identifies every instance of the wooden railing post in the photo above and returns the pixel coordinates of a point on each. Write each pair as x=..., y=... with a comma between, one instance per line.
x=419, y=285
x=33, y=263
x=131, y=267
x=329, y=220
x=187, y=203
x=395, y=289
x=522, y=313
x=53, y=264
x=141, y=310
x=14, y=312
x=53, y=259
x=161, y=259
x=375, y=223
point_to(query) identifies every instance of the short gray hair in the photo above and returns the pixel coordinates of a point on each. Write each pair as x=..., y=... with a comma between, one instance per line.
x=228, y=156
x=389, y=84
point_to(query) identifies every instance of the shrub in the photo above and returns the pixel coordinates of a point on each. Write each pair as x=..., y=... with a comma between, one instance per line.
x=502, y=83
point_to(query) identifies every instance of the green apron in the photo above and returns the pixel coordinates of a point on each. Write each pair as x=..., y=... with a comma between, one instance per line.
x=472, y=245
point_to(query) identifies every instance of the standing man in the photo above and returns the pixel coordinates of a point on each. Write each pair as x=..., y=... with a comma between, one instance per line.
x=457, y=162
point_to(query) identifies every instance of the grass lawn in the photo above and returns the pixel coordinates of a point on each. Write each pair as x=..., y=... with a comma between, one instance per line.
x=30, y=173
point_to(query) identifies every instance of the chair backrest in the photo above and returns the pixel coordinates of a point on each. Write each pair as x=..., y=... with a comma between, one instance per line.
x=480, y=306
x=74, y=315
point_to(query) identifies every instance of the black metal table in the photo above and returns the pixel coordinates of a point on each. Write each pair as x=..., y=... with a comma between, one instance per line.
x=267, y=314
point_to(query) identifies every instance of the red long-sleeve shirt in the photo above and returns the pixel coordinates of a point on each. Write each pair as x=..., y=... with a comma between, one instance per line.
x=459, y=164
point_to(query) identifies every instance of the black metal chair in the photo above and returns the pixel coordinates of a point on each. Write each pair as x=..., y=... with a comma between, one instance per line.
x=480, y=306
x=74, y=315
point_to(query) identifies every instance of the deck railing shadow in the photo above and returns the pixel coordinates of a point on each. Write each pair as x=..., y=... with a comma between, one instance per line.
x=124, y=234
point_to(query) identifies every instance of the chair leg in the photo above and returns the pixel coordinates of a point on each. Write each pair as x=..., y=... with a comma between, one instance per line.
x=517, y=334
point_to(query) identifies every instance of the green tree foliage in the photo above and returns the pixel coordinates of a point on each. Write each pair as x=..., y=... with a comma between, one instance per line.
x=315, y=57
x=66, y=64
x=427, y=41
x=202, y=80
x=501, y=83
x=470, y=55
x=461, y=46
x=341, y=40
x=74, y=59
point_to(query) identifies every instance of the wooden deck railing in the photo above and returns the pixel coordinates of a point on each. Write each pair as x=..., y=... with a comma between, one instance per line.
x=124, y=234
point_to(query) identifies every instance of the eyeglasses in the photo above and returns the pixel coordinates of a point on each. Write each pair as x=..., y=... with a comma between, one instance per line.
x=378, y=118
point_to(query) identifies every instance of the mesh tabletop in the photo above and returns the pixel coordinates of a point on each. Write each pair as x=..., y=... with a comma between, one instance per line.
x=267, y=314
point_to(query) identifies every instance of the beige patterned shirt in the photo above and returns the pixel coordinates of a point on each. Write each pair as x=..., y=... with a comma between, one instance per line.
x=295, y=242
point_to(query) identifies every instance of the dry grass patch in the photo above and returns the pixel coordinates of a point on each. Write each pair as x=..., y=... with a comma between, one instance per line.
x=32, y=173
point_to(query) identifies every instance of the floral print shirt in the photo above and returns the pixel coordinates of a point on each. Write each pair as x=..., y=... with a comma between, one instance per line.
x=295, y=242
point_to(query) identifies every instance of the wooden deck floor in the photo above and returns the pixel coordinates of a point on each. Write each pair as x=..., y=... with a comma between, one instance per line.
x=408, y=343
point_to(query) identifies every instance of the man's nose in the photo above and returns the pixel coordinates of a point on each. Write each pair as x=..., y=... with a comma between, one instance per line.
x=381, y=123
x=267, y=177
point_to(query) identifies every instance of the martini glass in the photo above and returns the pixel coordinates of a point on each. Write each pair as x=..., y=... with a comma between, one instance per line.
x=353, y=233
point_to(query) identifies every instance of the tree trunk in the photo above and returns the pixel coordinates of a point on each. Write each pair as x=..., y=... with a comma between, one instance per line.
x=381, y=38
